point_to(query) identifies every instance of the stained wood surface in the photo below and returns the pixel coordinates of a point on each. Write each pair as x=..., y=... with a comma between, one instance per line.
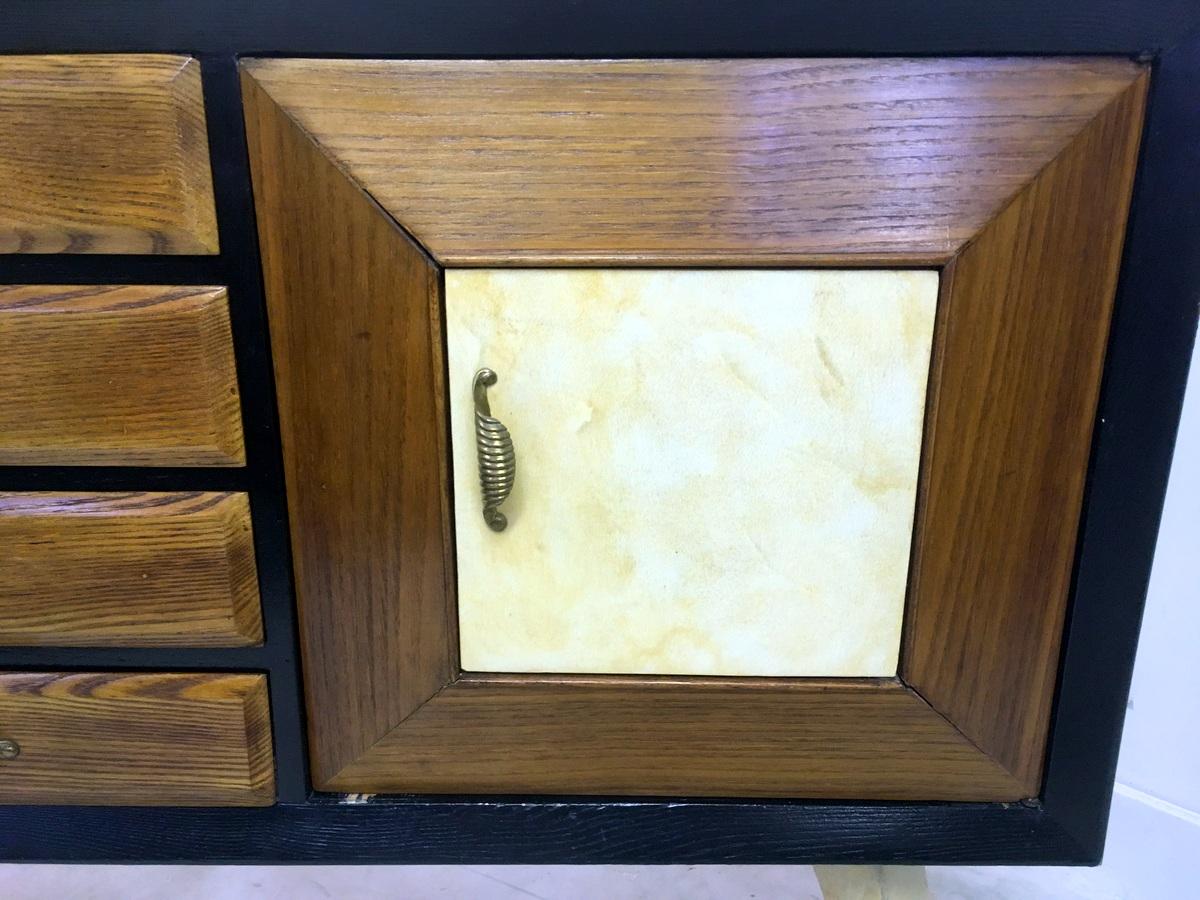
x=1030, y=231
x=104, y=154
x=353, y=305
x=692, y=737
x=1025, y=318
x=133, y=375
x=127, y=570
x=834, y=161
x=136, y=739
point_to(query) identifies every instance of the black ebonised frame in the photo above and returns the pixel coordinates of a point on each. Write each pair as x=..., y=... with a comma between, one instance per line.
x=1146, y=369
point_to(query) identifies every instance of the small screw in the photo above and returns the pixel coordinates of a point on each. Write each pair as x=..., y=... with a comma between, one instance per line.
x=9, y=749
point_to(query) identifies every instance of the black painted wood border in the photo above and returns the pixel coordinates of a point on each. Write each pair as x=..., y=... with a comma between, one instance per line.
x=1145, y=374
x=591, y=28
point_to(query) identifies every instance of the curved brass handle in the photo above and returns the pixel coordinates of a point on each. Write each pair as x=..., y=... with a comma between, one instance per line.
x=497, y=459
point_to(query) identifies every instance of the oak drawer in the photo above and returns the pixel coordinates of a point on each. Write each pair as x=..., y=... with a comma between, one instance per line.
x=141, y=375
x=104, y=154
x=127, y=569
x=135, y=739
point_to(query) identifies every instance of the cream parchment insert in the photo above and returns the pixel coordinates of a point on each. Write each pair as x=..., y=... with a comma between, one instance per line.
x=716, y=469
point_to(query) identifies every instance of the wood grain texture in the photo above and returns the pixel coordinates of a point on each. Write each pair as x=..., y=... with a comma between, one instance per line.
x=800, y=161
x=552, y=830
x=128, y=570
x=137, y=739
x=104, y=154
x=137, y=375
x=351, y=302
x=849, y=739
x=1026, y=314
x=1025, y=309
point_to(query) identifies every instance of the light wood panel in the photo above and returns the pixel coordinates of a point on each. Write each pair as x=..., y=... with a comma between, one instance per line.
x=104, y=154
x=691, y=737
x=353, y=306
x=128, y=570
x=140, y=375
x=136, y=739
x=846, y=161
x=1026, y=311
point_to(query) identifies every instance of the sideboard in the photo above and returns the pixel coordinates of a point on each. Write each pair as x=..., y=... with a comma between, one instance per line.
x=524, y=432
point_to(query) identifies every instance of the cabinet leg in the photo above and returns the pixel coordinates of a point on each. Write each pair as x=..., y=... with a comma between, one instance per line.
x=873, y=882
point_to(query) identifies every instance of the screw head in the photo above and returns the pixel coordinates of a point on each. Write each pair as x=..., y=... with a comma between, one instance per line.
x=9, y=749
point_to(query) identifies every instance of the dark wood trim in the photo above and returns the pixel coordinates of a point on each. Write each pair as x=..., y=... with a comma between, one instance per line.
x=350, y=299
x=692, y=737
x=1024, y=329
x=548, y=29
x=531, y=830
x=1150, y=350
x=776, y=162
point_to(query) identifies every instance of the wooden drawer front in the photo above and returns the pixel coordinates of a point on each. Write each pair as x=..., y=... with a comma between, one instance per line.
x=118, y=376
x=128, y=570
x=104, y=154
x=136, y=739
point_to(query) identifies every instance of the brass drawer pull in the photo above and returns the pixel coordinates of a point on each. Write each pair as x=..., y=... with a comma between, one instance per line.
x=9, y=749
x=497, y=459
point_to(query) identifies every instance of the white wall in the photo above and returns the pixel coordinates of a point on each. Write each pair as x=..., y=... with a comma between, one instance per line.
x=1154, y=835
x=1160, y=751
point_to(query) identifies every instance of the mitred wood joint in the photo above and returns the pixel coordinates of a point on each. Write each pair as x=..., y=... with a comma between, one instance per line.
x=369, y=175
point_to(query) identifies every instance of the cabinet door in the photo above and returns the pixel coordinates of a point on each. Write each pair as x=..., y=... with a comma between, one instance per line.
x=745, y=555
x=716, y=469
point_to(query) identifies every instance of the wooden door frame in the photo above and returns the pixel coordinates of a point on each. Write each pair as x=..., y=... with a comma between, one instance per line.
x=1022, y=327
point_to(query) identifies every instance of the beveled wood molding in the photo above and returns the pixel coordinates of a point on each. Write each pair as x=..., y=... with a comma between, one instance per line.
x=1020, y=194
x=364, y=438
x=137, y=739
x=118, y=375
x=128, y=569
x=1025, y=313
x=692, y=162
x=103, y=153
x=716, y=737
